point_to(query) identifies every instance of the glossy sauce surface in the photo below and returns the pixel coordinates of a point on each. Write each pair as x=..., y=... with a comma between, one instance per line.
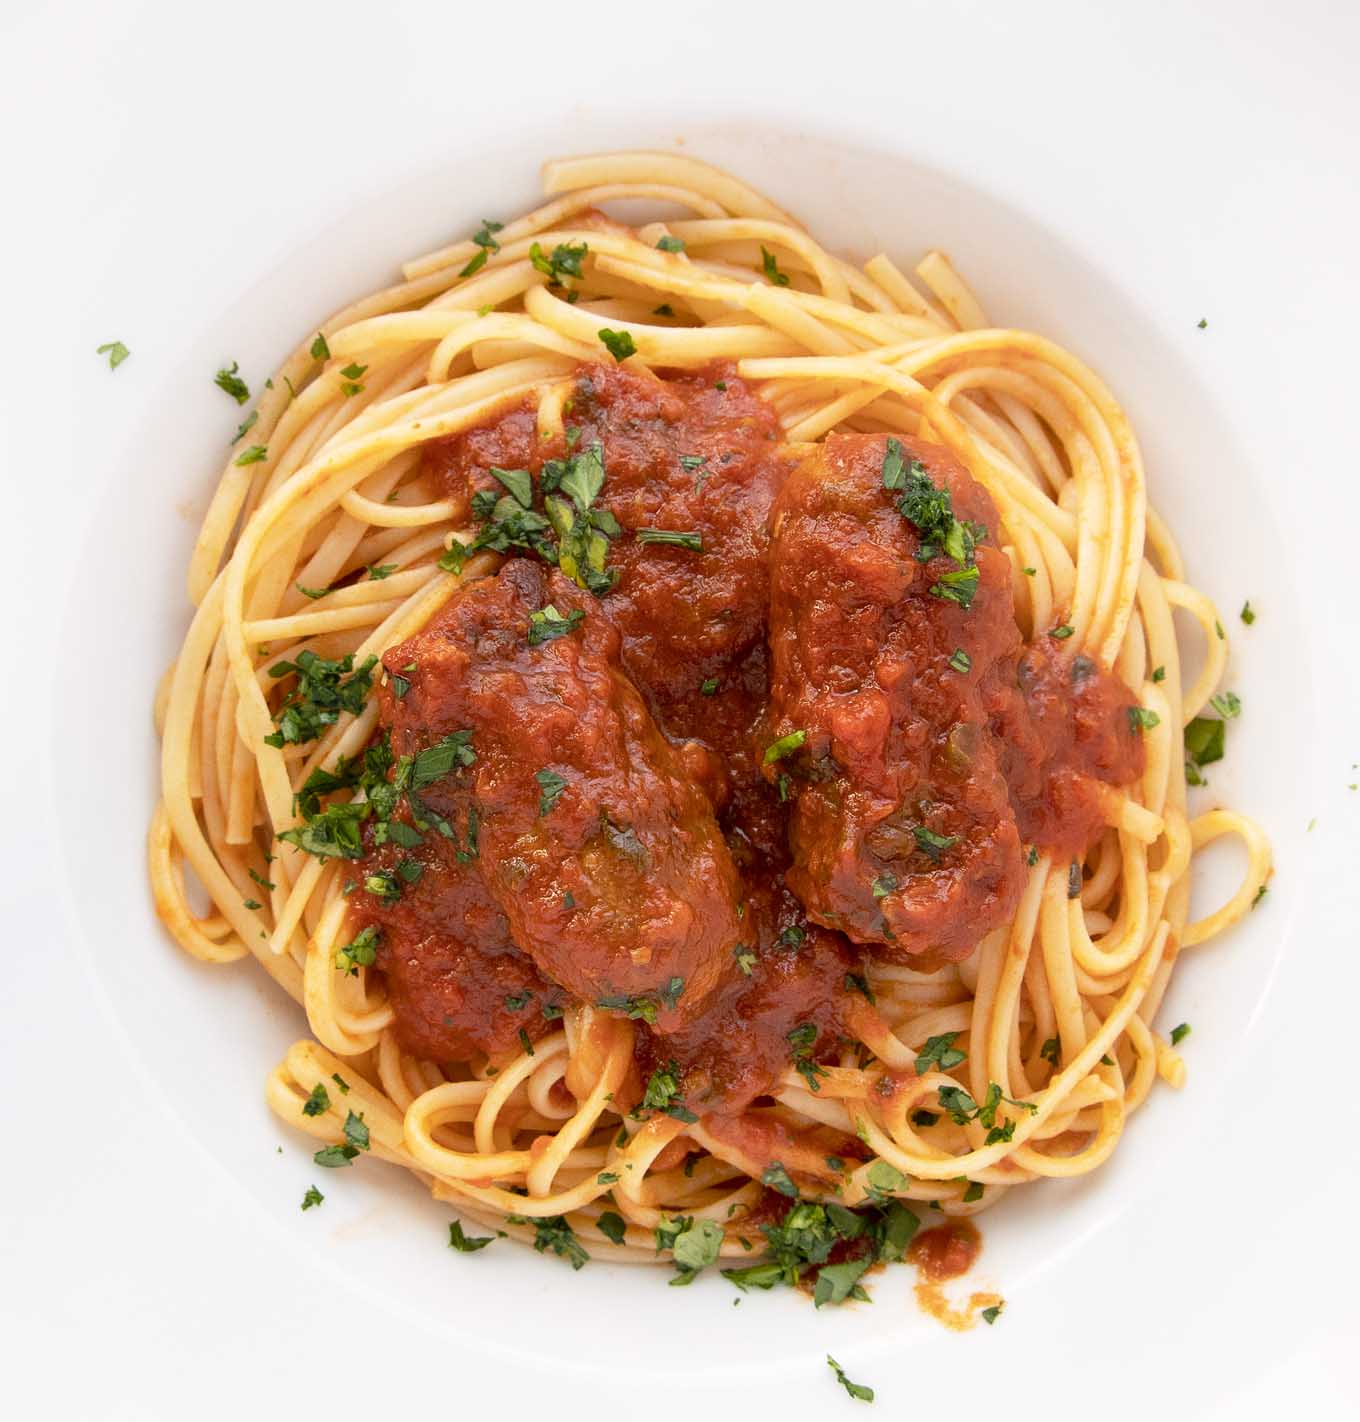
x=673, y=849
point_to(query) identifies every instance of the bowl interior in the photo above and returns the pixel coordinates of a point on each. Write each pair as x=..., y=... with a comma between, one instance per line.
x=208, y=1036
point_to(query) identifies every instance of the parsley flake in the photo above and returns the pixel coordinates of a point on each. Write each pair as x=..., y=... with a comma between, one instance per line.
x=619, y=344
x=466, y=1243
x=232, y=384
x=858, y=1391
x=116, y=351
x=550, y=785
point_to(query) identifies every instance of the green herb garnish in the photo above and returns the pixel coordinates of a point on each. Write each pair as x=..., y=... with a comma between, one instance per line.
x=234, y=386
x=116, y=351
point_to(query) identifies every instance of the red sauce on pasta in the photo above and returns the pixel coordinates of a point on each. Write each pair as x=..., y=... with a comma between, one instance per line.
x=758, y=749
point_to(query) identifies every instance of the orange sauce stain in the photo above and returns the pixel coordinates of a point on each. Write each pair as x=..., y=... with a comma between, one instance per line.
x=932, y=1300
x=942, y=1253
x=946, y=1251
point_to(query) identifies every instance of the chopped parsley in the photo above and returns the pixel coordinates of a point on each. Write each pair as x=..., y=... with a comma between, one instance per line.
x=858, y=1391
x=663, y=1094
x=802, y=1040
x=583, y=531
x=1261, y=892
x=694, y=1248
x=356, y=1133
x=939, y=1054
x=1049, y=1050
x=931, y=844
x=312, y=1197
x=1247, y=614
x=619, y=344
x=962, y=1108
x=320, y=350
x=349, y=385
x=453, y=558
x=1061, y=634
x=771, y=268
x=1159, y=674
x=318, y=1103
x=801, y=1243
x=547, y=624
x=116, y=351
x=961, y=661
x=555, y=1234
x=612, y=1226
x=486, y=242
x=1142, y=719
x=332, y=1157
x=1204, y=736
x=247, y=424
x=229, y=381
x=641, y=1007
x=377, y=573
x=777, y=1178
x=672, y=537
x=884, y=885
x=324, y=689
x=436, y=761
x=785, y=745
x=466, y=1243
x=550, y=787
x=565, y=260
x=708, y=686
x=483, y=238
x=383, y=886
x=959, y=585
x=669, y=244
x=930, y=509
x=1180, y=1033
x=990, y=1315
x=335, y=831
x=518, y=482
x=746, y=958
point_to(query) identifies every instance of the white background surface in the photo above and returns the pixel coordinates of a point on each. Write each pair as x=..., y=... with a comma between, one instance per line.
x=164, y=167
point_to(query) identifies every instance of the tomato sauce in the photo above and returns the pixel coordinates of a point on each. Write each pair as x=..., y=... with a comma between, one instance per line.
x=621, y=834
x=923, y=749
x=946, y=1251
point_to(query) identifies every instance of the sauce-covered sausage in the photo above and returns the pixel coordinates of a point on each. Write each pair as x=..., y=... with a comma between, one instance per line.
x=881, y=638
x=601, y=851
